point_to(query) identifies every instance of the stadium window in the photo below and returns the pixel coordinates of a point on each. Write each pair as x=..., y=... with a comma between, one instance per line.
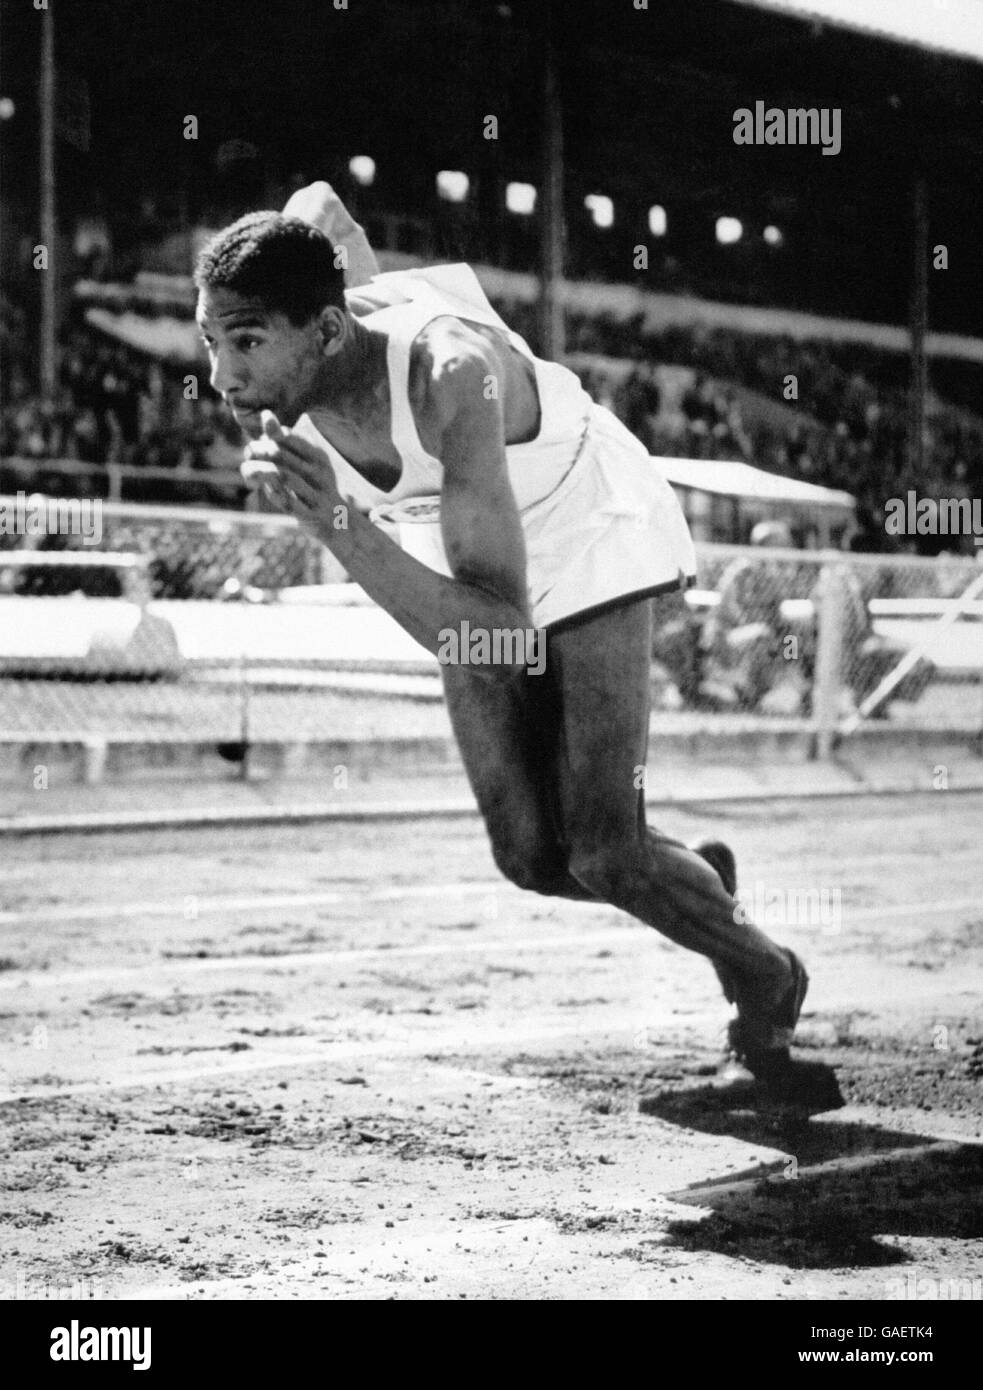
x=452, y=185
x=520, y=198
x=773, y=236
x=729, y=230
x=600, y=208
x=657, y=220
x=362, y=169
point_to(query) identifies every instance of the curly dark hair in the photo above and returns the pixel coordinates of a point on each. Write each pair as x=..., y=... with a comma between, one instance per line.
x=282, y=261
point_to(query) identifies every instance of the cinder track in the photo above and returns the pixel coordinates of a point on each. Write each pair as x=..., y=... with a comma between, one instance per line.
x=349, y=1061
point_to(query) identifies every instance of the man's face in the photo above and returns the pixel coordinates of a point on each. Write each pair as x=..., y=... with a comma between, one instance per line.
x=258, y=359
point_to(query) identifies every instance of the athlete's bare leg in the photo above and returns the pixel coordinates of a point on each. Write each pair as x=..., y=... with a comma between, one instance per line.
x=602, y=667
x=554, y=762
x=507, y=737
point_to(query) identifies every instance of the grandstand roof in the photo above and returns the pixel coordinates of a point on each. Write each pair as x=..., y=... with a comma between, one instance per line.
x=648, y=101
x=728, y=478
x=947, y=26
x=165, y=337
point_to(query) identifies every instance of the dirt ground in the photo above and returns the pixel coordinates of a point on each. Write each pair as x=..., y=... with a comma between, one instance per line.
x=350, y=1062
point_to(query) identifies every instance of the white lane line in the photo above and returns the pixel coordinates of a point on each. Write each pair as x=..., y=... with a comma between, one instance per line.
x=235, y=902
x=751, y=869
x=306, y=813
x=463, y=1040
x=627, y=931
x=932, y=909
x=45, y=979
x=192, y=906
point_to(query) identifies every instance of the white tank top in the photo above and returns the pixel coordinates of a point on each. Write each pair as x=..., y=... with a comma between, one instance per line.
x=408, y=301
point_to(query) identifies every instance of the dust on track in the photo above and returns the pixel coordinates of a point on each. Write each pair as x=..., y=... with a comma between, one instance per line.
x=347, y=1062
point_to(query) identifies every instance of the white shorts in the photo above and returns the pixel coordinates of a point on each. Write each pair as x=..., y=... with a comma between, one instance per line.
x=610, y=531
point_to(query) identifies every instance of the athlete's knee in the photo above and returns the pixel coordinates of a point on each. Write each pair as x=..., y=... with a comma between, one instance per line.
x=536, y=873
x=605, y=870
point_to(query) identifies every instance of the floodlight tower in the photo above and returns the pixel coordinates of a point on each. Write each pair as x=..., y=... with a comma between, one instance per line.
x=49, y=231
x=551, y=220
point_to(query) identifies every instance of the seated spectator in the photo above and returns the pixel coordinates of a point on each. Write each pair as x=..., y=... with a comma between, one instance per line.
x=745, y=666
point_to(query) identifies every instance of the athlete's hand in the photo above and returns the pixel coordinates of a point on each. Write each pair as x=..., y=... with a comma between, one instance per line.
x=297, y=477
x=319, y=205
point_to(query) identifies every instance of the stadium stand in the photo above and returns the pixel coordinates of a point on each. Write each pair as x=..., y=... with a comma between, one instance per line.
x=692, y=392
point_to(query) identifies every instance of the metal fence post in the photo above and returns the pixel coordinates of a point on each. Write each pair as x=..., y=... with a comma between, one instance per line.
x=831, y=609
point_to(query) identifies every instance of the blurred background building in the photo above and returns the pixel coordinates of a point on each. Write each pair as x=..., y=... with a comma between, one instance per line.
x=669, y=234
x=796, y=333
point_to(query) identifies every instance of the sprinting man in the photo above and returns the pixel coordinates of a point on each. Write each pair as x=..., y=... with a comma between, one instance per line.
x=552, y=517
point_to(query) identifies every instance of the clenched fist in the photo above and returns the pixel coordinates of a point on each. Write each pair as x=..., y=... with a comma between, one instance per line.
x=297, y=477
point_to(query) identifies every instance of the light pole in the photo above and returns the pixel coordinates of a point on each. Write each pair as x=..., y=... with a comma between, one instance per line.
x=49, y=233
x=551, y=225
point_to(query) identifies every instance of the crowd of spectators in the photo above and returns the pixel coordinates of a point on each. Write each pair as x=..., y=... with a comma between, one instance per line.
x=845, y=424
x=844, y=427
x=113, y=406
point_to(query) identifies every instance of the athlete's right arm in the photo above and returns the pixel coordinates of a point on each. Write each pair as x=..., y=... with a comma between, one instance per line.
x=480, y=521
x=320, y=205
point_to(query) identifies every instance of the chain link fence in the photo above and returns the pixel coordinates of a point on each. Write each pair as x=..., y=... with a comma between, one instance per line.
x=837, y=639
x=188, y=625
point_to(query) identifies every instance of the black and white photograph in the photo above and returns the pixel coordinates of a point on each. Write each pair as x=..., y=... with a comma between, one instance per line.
x=491, y=663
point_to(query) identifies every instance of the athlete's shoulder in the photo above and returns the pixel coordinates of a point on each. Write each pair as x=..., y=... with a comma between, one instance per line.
x=450, y=366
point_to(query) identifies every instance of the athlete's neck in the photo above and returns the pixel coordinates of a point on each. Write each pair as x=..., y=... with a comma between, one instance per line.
x=353, y=382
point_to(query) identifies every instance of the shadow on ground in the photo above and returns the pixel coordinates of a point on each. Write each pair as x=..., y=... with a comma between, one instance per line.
x=844, y=1190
